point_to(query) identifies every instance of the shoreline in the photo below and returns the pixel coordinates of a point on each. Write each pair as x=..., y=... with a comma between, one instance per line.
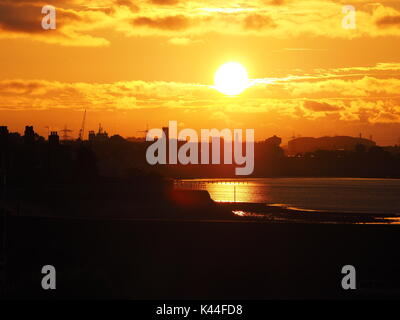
x=258, y=211
x=227, y=212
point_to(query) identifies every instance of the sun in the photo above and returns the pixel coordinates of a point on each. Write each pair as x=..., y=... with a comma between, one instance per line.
x=231, y=79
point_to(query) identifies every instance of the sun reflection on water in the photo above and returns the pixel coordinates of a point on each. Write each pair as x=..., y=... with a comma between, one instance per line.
x=223, y=190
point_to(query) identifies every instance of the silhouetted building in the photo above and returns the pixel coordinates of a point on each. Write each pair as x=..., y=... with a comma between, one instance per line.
x=136, y=139
x=29, y=135
x=92, y=135
x=309, y=144
x=3, y=134
x=100, y=136
x=54, y=139
x=273, y=141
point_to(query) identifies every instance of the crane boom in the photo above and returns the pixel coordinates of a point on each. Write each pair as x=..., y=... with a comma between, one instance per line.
x=82, y=131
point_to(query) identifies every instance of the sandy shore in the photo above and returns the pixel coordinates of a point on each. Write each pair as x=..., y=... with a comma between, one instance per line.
x=263, y=212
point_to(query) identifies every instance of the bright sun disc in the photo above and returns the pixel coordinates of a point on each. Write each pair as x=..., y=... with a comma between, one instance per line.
x=231, y=79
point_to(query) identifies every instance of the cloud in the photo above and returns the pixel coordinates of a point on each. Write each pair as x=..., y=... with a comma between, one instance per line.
x=276, y=2
x=175, y=23
x=258, y=22
x=82, y=23
x=386, y=17
x=389, y=21
x=40, y=94
x=292, y=19
x=366, y=99
x=320, y=106
x=333, y=88
x=165, y=2
x=128, y=3
x=183, y=41
x=27, y=18
x=23, y=20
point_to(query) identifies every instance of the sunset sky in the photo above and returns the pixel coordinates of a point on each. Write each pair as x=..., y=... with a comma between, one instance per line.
x=132, y=63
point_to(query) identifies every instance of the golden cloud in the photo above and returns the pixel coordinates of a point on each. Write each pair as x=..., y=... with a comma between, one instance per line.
x=78, y=20
x=364, y=99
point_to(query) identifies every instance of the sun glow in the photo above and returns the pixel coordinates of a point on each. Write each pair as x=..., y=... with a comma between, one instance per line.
x=231, y=79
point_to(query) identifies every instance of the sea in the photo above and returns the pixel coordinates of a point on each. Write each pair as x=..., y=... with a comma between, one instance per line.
x=356, y=195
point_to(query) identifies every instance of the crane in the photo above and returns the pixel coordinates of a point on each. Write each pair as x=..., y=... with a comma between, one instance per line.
x=294, y=136
x=82, y=130
x=144, y=131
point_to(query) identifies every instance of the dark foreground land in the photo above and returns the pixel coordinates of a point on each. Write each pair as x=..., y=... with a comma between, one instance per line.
x=199, y=259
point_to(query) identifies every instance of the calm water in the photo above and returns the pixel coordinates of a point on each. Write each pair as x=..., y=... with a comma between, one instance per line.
x=328, y=194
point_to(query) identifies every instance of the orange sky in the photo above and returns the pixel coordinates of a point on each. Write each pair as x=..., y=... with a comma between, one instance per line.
x=130, y=63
